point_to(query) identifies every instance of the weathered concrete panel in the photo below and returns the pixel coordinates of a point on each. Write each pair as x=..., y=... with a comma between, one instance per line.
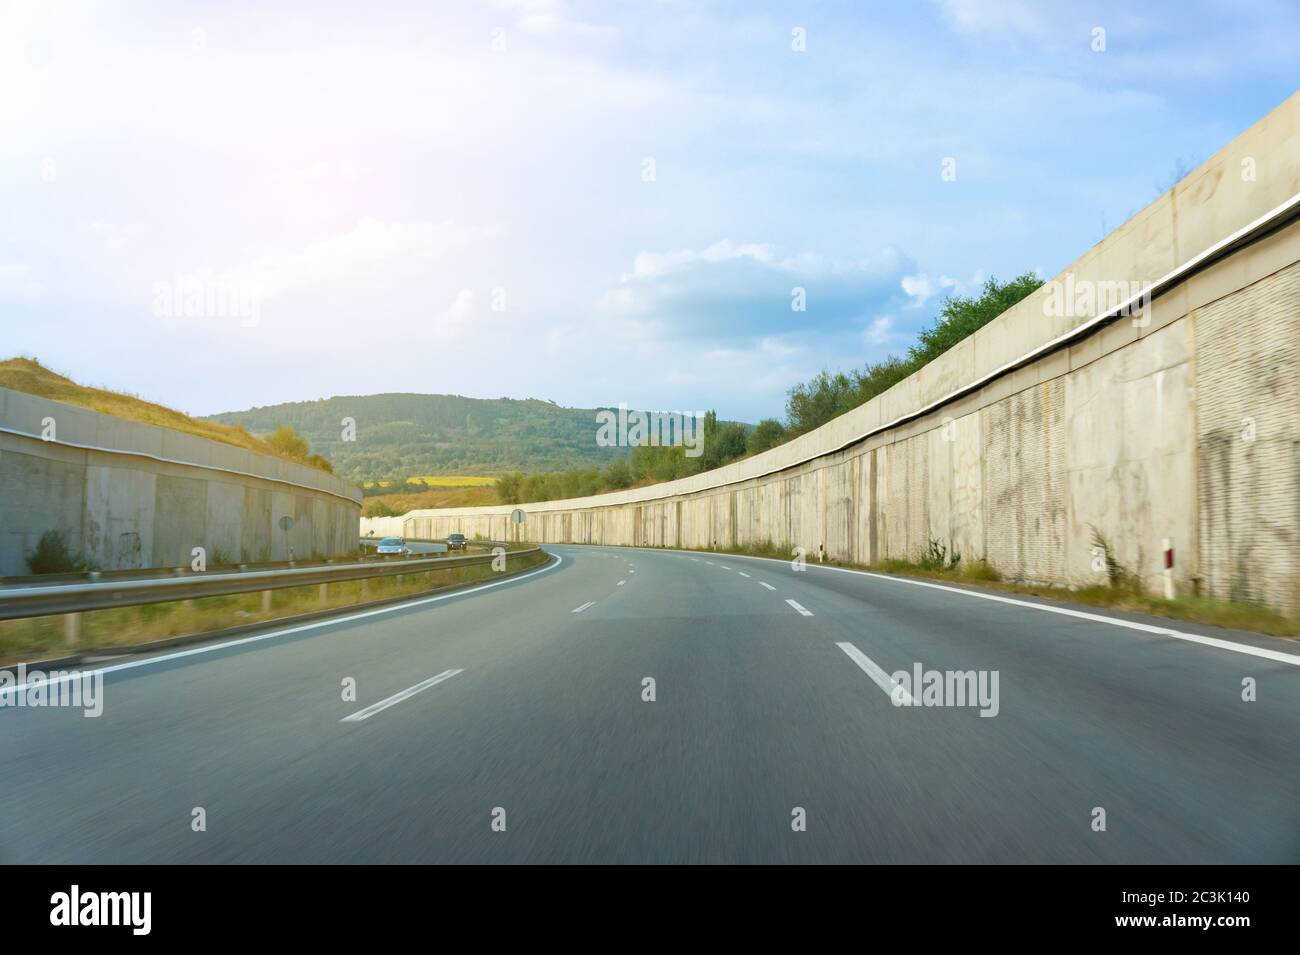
x=119, y=534
x=224, y=526
x=180, y=519
x=39, y=493
x=1248, y=442
x=1129, y=456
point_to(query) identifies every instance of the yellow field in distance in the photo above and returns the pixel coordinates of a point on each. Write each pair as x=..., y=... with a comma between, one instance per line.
x=454, y=480
x=446, y=480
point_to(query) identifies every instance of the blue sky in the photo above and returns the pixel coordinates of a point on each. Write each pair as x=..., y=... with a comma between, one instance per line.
x=455, y=197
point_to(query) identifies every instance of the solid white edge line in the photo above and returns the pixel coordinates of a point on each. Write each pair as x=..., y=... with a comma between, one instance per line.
x=799, y=607
x=409, y=692
x=897, y=694
x=1275, y=655
x=328, y=622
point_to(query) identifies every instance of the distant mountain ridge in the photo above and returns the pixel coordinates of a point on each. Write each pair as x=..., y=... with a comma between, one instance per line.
x=405, y=435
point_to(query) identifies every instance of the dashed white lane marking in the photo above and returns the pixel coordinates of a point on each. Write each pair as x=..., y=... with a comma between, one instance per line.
x=589, y=603
x=768, y=586
x=724, y=567
x=406, y=694
x=803, y=611
x=1265, y=653
x=631, y=571
x=878, y=676
x=621, y=583
x=742, y=573
x=709, y=562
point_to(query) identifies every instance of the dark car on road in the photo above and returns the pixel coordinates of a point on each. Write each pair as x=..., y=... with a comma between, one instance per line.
x=456, y=542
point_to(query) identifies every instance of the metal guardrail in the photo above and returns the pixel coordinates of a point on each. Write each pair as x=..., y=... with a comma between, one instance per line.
x=43, y=600
x=244, y=566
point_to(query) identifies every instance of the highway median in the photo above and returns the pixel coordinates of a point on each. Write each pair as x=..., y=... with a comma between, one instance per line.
x=150, y=626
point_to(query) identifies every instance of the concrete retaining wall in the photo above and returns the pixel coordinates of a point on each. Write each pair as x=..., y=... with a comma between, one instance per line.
x=168, y=493
x=1137, y=432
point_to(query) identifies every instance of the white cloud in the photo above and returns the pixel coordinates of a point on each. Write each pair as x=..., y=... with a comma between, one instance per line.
x=548, y=17
x=456, y=317
x=978, y=16
x=920, y=288
x=113, y=238
x=748, y=289
x=917, y=288
x=18, y=283
x=879, y=331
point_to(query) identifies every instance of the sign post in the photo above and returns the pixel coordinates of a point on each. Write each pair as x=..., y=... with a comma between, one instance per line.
x=517, y=516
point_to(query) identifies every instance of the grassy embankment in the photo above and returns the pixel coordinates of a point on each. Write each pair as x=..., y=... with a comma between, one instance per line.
x=31, y=377
x=36, y=638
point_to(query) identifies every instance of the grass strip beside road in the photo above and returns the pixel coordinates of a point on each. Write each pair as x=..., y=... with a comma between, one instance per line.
x=1215, y=613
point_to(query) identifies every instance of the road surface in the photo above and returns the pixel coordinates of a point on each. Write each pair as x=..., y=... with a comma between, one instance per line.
x=772, y=736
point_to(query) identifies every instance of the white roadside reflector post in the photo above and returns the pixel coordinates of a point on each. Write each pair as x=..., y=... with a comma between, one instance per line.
x=1168, y=547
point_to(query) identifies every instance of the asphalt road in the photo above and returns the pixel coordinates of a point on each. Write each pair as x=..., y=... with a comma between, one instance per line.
x=527, y=697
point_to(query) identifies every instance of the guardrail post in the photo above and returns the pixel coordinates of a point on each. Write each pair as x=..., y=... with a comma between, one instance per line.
x=72, y=629
x=266, y=601
x=324, y=591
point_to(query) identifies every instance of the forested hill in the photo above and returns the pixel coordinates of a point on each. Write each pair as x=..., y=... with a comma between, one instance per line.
x=407, y=435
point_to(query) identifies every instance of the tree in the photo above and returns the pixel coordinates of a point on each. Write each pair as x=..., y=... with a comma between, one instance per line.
x=878, y=377
x=508, y=488
x=826, y=396
x=618, y=475
x=960, y=316
x=660, y=462
x=768, y=433
x=722, y=442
